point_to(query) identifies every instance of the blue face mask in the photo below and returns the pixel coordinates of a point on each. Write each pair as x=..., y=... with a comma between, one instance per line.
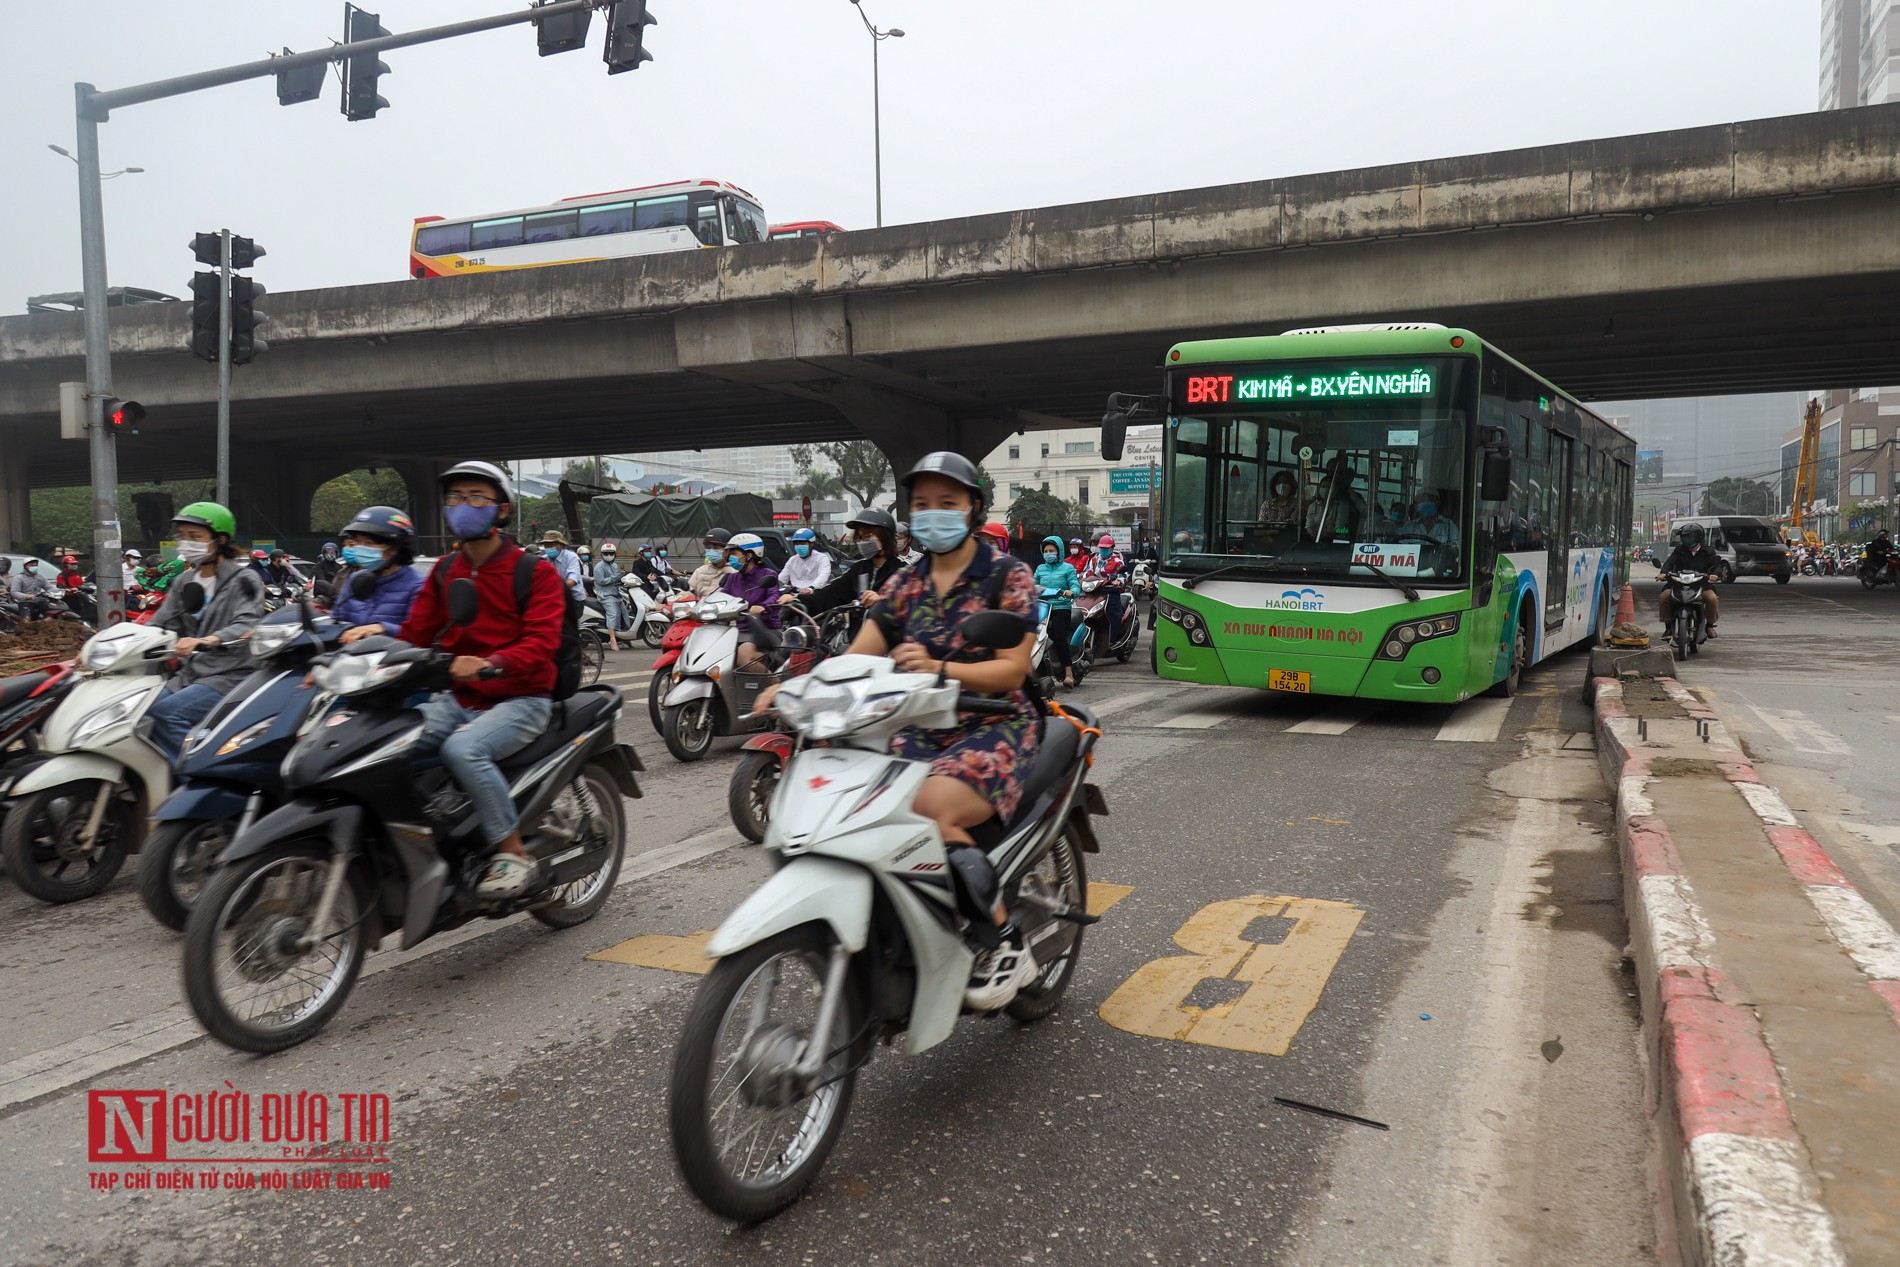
x=1105, y=551
x=804, y=550
x=736, y=560
x=1427, y=509
x=1049, y=556
x=715, y=556
x=367, y=557
x=470, y=523
x=662, y=554
x=939, y=531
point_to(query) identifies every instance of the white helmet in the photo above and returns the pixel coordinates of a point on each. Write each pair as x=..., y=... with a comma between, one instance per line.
x=750, y=542
x=133, y=554
x=488, y=472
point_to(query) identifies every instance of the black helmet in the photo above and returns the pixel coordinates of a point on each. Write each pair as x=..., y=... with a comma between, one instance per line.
x=872, y=518
x=717, y=535
x=385, y=523
x=951, y=466
x=1692, y=532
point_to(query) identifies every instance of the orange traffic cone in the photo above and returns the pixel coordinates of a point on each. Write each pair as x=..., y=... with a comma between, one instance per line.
x=1624, y=631
x=1626, y=605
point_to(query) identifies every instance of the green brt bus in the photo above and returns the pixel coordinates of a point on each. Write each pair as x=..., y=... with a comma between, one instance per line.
x=1388, y=511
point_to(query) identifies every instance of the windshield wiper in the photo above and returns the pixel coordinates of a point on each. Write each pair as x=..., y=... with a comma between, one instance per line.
x=1192, y=581
x=1410, y=593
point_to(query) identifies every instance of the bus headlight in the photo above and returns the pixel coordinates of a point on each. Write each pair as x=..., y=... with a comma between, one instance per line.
x=1400, y=639
x=1182, y=616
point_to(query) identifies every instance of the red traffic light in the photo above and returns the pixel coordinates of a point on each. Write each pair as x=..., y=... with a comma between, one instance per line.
x=122, y=414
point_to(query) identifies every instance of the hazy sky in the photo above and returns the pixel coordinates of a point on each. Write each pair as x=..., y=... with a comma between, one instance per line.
x=988, y=105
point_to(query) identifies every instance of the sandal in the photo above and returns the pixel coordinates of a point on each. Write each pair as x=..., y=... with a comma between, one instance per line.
x=507, y=875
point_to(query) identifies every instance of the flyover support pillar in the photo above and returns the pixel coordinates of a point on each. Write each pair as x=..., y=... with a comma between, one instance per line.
x=419, y=476
x=906, y=428
x=15, y=500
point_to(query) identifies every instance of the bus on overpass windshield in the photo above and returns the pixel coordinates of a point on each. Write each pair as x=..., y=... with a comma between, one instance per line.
x=1389, y=512
x=684, y=216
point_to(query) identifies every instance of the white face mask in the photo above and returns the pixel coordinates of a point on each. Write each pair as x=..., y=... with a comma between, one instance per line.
x=194, y=552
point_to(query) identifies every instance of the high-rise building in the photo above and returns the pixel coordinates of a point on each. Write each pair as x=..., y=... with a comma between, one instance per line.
x=1840, y=53
x=1697, y=440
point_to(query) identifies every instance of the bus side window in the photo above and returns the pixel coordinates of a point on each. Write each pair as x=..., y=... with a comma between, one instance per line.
x=706, y=224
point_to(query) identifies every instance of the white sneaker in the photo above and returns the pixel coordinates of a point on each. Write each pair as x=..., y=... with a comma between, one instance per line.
x=998, y=976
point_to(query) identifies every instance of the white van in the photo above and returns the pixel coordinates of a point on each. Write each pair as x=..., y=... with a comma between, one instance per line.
x=1747, y=545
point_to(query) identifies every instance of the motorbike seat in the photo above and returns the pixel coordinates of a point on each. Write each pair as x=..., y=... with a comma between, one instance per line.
x=570, y=717
x=1054, y=758
x=15, y=689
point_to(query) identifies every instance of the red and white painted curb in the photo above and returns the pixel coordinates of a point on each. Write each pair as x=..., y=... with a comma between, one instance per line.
x=1740, y=1190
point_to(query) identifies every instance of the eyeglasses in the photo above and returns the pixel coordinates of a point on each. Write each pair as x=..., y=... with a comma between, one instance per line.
x=477, y=500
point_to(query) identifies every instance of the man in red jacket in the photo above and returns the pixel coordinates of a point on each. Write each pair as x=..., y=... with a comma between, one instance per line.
x=483, y=720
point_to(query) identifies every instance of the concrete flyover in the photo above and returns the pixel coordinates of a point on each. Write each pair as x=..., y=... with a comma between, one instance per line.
x=1750, y=256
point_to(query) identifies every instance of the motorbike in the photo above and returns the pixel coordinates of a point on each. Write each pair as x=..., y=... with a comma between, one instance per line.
x=1091, y=610
x=74, y=818
x=1042, y=660
x=1687, y=625
x=755, y=779
x=682, y=622
x=864, y=930
x=369, y=845
x=646, y=615
x=26, y=701
x=229, y=771
x=706, y=696
x=1874, y=572
x=1142, y=584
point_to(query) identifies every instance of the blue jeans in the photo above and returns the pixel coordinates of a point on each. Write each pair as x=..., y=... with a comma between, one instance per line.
x=176, y=711
x=471, y=743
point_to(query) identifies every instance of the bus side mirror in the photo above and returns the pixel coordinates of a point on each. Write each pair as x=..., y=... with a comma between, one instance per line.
x=1494, y=478
x=1114, y=435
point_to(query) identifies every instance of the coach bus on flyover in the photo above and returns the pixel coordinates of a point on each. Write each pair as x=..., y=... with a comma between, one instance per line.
x=683, y=216
x=1388, y=511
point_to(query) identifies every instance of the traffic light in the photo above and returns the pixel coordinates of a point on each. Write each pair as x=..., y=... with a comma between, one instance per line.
x=124, y=415
x=301, y=83
x=245, y=318
x=562, y=33
x=627, y=23
x=206, y=296
x=245, y=252
x=208, y=249
x=361, y=70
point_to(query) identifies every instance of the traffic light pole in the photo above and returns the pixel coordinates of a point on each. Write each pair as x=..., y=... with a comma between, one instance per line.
x=91, y=108
x=107, y=545
x=224, y=369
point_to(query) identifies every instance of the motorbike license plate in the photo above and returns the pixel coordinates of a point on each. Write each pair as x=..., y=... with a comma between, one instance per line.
x=1290, y=680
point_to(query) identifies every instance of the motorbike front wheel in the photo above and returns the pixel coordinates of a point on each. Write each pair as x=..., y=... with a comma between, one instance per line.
x=43, y=840
x=748, y=1135
x=1685, y=636
x=689, y=728
x=174, y=863
x=653, y=633
x=749, y=797
x=249, y=983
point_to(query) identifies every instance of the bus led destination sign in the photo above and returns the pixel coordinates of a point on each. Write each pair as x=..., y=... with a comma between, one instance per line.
x=1297, y=385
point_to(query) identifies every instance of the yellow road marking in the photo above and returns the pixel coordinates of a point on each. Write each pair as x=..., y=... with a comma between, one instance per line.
x=1283, y=981
x=688, y=953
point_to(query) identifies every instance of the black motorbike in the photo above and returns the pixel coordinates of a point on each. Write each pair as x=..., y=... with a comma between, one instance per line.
x=370, y=844
x=1688, y=624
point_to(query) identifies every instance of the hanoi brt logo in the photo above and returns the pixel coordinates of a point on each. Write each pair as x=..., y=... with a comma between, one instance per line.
x=1303, y=600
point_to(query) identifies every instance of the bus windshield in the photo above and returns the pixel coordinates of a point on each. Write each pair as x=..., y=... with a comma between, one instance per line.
x=1320, y=469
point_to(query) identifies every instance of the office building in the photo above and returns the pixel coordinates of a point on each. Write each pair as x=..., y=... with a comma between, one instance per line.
x=1067, y=463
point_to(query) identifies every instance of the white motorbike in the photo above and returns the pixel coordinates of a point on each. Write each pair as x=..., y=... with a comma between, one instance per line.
x=645, y=615
x=865, y=929
x=707, y=698
x=73, y=820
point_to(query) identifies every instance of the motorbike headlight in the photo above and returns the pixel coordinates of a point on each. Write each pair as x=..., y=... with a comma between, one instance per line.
x=101, y=720
x=821, y=710
x=102, y=651
x=353, y=675
x=245, y=736
x=268, y=640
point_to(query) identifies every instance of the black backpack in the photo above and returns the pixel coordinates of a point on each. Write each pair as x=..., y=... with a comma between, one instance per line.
x=567, y=658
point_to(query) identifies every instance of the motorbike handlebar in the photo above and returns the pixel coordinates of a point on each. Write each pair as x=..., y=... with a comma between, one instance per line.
x=984, y=705
x=490, y=673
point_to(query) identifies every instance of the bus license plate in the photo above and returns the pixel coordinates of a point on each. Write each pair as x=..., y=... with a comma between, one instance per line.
x=1289, y=680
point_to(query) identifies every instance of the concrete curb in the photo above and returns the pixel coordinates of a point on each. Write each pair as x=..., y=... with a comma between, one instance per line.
x=1737, y=1188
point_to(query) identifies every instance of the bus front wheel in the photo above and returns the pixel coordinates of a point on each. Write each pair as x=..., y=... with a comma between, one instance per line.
x=1520, y=657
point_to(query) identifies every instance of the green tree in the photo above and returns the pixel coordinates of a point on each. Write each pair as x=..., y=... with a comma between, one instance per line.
x=816, y=484
x=862, y=466
x=336, y=503
x=1039, y=513
x=63, y=516
x=384, y=486
x=1737, y=496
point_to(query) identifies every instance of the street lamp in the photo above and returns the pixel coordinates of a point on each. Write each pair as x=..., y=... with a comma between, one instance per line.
x=123, y=171
x=877, y=126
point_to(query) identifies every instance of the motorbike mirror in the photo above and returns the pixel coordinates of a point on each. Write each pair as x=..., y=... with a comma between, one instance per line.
x=362, y=585
x=1494, y=478
x=464, y=602
x=192, y=598
x=996, y=630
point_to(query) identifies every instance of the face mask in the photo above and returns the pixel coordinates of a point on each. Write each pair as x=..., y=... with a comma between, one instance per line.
x=939, y=531
x=1427, y=509
x=1049, y=556
x=30, y=569
x=470, y=523
x=1105, y=551
x=736, y=560
x=715, y=556
x=194, y=552
x=662, y=554
x=804, y=551
x=608, y=558
x=370, y=557
x=869, y=549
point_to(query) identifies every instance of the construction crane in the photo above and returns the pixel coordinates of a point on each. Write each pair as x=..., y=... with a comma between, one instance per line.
x=1805, y=470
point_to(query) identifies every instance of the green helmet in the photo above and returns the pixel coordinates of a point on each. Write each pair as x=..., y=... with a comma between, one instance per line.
x=208, y=515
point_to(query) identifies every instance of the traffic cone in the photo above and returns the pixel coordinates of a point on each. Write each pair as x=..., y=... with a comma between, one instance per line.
x=1624, y=631
x=1626, y=605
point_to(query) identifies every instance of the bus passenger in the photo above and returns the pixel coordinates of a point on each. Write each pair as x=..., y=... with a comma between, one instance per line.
x=1429, y=525
x=1281, y=510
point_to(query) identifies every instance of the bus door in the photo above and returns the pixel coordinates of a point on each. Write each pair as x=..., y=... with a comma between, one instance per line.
x=1557, y=478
